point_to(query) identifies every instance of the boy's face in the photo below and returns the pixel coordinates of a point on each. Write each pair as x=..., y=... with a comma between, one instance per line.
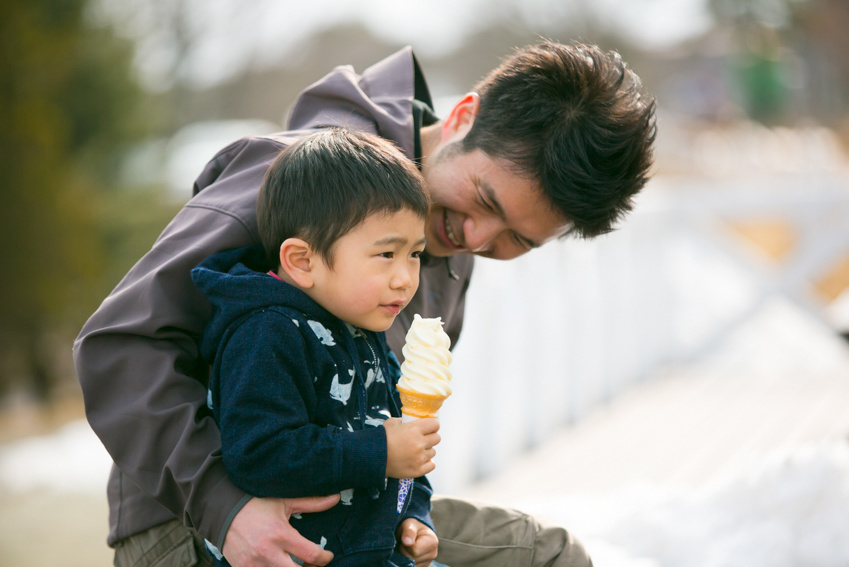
x=375, y=270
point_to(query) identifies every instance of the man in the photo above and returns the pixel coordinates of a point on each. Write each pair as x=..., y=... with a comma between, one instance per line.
x=557, y=140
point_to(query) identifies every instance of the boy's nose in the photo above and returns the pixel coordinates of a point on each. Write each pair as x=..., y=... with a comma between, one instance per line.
x=402, y=279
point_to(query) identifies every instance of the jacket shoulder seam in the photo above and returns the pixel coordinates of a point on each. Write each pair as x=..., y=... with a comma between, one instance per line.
x=222, y=211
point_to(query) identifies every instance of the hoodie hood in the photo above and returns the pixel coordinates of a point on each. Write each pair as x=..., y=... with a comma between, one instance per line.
x=363, y=100
x=237, y=282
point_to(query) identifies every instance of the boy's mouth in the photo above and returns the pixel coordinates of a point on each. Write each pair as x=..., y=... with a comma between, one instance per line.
x=395, y=308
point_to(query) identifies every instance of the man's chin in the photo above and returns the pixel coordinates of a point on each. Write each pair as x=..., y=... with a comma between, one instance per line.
x=440, y=251
x=436, y=248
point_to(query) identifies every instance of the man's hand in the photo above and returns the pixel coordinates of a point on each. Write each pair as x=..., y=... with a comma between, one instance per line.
x=410, y=447
x=260, y=534
x=418, y=542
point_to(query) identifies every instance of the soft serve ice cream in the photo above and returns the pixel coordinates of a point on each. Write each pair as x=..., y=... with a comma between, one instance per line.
x=425, y=378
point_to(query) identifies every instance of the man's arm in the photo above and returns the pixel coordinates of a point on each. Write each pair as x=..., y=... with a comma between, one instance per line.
x=137, y=359
x=142, y=377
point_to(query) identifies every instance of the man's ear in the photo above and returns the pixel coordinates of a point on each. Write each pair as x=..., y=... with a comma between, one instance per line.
x=461, y=118
x=296, y=261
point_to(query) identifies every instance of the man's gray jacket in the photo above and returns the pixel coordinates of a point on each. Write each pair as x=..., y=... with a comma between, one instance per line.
x=137, y=357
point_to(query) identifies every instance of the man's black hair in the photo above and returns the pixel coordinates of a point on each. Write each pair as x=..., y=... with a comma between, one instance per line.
x=576, y=120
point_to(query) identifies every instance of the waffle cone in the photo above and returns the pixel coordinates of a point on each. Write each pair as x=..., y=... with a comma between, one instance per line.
x=417, y=404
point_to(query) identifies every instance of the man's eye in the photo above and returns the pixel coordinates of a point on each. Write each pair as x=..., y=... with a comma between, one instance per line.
x=417, y=254
x=389, y=255
x=521, y=243
x=484, y=203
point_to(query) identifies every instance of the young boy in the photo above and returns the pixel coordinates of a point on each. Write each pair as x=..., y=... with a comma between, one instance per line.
x=303, y=383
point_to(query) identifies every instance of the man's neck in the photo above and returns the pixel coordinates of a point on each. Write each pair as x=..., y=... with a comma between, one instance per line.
x=430, y=136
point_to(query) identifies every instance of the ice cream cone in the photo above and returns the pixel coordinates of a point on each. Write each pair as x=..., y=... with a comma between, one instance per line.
x=418, y=404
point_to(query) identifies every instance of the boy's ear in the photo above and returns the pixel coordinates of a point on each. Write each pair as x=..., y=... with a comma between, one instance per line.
x=462, y=117
x=296, y=261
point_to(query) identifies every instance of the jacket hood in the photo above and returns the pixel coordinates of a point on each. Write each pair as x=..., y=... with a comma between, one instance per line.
x=363, y=99
x=237, y=282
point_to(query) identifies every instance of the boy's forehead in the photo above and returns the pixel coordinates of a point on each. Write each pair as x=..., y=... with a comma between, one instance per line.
x=391, y=224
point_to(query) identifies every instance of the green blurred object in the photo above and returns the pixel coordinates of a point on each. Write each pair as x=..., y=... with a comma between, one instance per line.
x=761, y=74
x=68, y=107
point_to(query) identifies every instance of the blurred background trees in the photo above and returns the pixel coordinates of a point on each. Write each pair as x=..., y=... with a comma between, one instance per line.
x=108, y=108
x=69, y=107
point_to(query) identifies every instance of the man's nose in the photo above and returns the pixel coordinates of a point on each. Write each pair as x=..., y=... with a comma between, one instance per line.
x=480, y=233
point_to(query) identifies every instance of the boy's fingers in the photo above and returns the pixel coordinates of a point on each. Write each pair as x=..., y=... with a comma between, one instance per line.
x=408, y=534
x=427, y=425
x=425, y=546
x=428, y=468
x=432, y=440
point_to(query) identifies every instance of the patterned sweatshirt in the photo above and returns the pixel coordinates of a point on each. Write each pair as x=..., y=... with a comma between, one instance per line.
x=299, y=396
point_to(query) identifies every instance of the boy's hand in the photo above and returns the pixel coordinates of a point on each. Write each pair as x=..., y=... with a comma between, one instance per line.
x=410, y=447
x=417, y=541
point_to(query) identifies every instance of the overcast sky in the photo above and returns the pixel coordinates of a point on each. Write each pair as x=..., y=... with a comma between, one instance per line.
x=230, y=34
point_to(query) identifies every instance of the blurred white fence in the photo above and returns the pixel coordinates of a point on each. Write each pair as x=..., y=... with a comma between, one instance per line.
x=553, y=334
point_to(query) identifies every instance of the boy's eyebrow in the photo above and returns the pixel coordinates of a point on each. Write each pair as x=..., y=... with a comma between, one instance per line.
x=491, y=197
x=397, y=239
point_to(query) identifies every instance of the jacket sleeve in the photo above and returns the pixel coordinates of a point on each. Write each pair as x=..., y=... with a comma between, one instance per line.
x=270, y=443
x=419, y=507
x=137, y=358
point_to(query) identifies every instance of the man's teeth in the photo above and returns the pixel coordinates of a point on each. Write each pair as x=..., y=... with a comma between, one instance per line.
x=450, y=233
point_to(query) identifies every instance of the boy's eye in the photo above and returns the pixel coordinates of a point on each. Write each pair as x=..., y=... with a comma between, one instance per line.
x=416, y=254
x=389, y=255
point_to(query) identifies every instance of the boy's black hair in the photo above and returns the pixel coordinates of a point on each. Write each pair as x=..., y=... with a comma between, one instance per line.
x=575, y=119
x=327, y=183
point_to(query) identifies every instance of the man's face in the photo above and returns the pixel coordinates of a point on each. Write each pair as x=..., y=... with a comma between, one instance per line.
x=481, y=206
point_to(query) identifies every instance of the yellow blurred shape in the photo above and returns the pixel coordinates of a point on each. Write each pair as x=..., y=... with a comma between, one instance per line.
x=775, y=238
x=834, y=281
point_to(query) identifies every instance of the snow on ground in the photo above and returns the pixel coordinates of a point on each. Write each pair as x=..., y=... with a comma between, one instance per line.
x=789, y=509
x=739, y=459
x=70, y=460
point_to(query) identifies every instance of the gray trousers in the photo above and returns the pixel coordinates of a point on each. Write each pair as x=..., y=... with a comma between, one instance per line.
x=470, y=535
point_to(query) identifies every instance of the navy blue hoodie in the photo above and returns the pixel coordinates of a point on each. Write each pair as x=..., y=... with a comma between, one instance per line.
x=299, y=396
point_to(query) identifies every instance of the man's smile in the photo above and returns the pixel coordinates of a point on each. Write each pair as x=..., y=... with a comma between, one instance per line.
x=450, y=231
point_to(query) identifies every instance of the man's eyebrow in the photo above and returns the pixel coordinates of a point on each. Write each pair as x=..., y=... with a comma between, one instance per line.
x=492, y=199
